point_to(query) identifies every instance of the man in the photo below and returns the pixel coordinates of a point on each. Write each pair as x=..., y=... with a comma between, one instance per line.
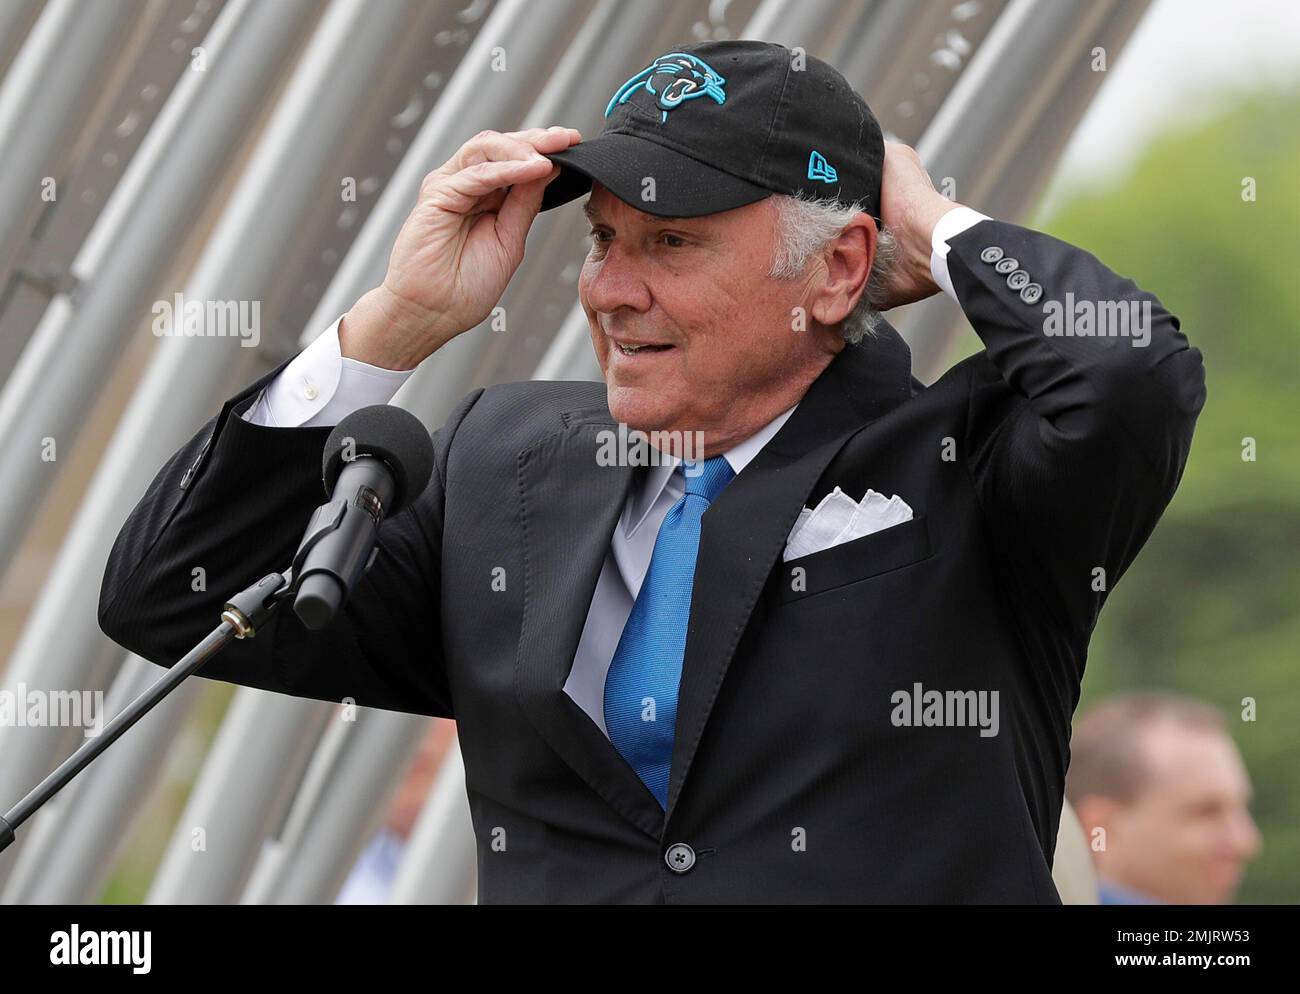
x=375, y=871
x=1164, y=798
x=657, y=701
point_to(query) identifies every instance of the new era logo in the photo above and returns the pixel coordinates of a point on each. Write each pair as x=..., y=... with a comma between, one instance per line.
x=819, y=168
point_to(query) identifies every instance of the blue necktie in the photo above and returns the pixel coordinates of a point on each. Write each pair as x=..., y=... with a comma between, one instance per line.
x=641, y=686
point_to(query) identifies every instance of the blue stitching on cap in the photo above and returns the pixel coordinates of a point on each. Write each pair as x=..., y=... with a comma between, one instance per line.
x=819, y=168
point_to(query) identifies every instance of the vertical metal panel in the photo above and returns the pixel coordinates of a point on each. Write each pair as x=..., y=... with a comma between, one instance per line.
x=159, y=53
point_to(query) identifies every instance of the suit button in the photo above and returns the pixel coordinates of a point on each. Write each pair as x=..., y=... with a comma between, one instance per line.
x=991, y=254
x=1031, y=293
x=1018, y=280
x=1006, y=265
x=680, y=857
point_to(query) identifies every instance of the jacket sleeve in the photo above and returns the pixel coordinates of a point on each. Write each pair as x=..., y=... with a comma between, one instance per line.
x=1075, y=463
x=230, y=507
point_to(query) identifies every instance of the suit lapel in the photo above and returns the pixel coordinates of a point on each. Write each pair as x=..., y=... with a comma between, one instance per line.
x=570, y=506
x=744, y=531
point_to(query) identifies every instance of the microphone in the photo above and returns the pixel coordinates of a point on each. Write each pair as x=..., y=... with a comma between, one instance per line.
x=377, y=460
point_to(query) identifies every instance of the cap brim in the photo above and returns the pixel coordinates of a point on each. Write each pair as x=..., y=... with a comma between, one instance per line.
x=683, y=187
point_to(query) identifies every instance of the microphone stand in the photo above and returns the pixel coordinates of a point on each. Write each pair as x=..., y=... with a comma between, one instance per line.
x=240, y=619
x=241, y=616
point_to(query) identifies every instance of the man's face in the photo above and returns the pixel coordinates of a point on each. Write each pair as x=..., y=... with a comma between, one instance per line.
x=1188, y=835
x=728, y=358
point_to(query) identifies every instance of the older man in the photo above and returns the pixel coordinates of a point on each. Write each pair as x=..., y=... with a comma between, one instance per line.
x=826, y=645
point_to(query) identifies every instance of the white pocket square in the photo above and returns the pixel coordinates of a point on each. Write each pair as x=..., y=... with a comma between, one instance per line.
x=838, y=518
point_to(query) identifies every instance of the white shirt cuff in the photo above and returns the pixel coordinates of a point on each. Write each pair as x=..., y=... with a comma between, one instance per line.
x=320, y=387
x=950, y=225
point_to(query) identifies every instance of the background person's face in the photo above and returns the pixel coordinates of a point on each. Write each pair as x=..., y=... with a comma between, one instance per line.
x=1188, y=835
x=699, y=287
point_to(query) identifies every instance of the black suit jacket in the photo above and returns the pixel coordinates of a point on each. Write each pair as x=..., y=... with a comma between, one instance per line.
x=1028, y=465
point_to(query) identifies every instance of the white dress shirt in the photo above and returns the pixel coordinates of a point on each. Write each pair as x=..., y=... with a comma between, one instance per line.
x=320, y=387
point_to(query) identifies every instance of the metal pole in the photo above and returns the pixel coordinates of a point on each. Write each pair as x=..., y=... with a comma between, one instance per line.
x=1000, y=109
x=906, y=61
x=219, y=835
x=134, y=95
x=16, y=20
x=53, y=387
x=807, y=25
x=531, y=36
x=439, y=864
x=315, y=115
x=61, y=641
x=327, y=830
x=75, y=841
x=318, y=113
x=45, y=100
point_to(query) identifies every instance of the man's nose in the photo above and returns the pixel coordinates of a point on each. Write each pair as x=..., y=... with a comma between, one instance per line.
x=1238, y=838
x=618, y=281
x=1245, y=835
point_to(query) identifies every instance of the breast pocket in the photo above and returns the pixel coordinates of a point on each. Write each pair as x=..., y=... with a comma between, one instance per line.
x=860, y=559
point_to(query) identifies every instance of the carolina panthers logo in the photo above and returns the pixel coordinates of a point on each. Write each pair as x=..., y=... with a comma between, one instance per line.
x=672, y=78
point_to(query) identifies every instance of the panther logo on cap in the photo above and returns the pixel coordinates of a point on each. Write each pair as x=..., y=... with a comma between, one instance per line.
x=672, y=79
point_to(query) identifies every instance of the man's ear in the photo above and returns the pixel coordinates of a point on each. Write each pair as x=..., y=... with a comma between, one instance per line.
x=847, y=262
x=1095, y=811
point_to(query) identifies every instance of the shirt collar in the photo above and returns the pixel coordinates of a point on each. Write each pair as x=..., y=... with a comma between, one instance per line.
x=657, y=476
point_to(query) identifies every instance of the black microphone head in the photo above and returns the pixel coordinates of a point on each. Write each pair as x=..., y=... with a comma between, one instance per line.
x=390, y=433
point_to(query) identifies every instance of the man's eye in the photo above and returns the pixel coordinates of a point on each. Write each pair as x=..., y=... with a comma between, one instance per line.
x=595, y=234
x=674, y=241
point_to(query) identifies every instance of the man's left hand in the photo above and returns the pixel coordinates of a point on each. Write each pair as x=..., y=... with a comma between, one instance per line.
x=910, y=206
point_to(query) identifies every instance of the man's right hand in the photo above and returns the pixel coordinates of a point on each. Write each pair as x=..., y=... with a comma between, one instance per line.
x=457, y=249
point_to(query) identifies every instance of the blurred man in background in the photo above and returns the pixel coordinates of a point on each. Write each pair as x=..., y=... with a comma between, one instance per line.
x=1163, y=796
x=372, y=877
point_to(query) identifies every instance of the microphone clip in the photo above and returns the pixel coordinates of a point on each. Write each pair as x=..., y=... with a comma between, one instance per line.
x=253, y=605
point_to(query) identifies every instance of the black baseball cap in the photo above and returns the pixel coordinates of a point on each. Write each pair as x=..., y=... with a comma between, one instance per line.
x=716, y=125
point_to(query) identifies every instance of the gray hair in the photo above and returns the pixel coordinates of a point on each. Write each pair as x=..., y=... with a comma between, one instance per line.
x=803, y=226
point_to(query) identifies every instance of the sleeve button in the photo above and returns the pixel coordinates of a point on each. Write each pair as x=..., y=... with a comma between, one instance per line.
x=991, y=254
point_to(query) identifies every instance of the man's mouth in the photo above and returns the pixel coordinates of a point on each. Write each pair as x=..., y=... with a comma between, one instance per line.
x=634, y=348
